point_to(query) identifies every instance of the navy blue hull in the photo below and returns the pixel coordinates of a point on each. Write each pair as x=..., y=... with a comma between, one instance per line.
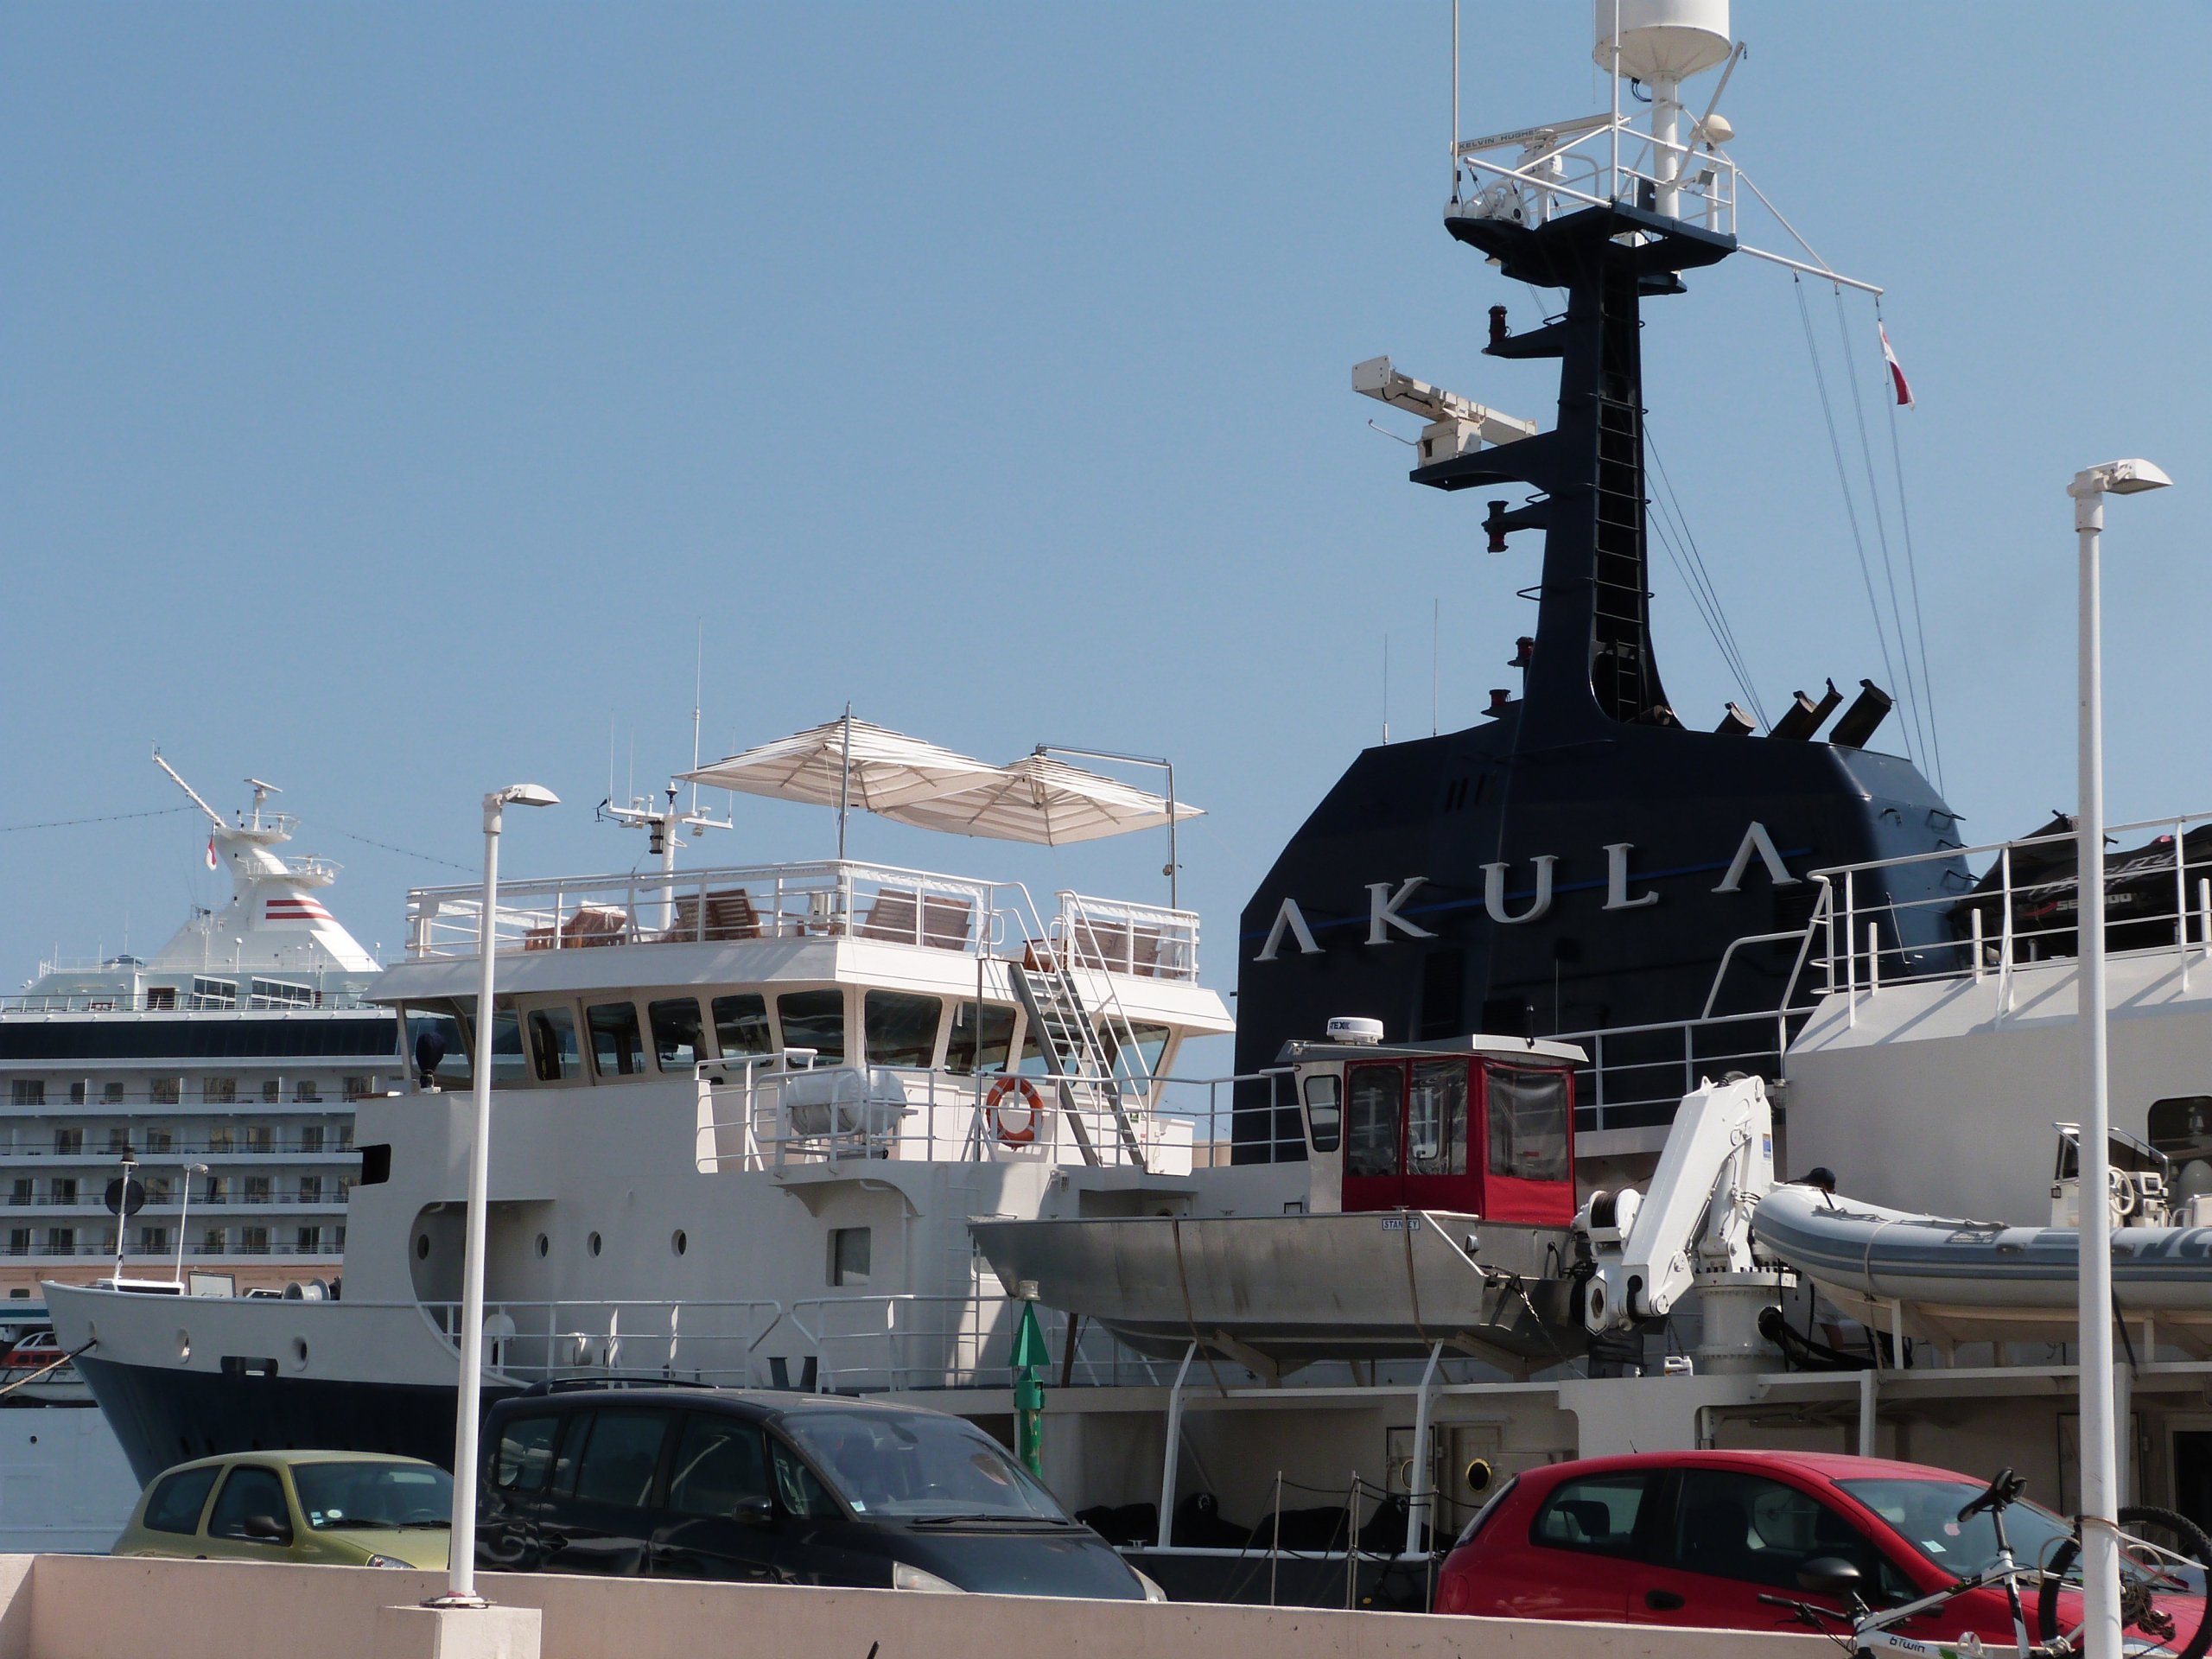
x=163, y=1417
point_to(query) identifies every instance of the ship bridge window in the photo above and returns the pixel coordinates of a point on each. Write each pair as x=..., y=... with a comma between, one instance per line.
x=215, y=993
x=1527, y=1123
x=1436, y=1119
x=741, y=1024
x=900, y=1027
x=1371, y=1143
x=814, y=1020
x=679, y=1035
x=553, y=1056
x=617, y=1049
x=1150, y=1043
x=963, y=1052
x=452, y=1072
x=1323, y=1111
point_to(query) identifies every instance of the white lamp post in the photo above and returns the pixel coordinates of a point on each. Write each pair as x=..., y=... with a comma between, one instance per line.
x=2100, y=1447
x=460, y=1589
x=184, y=1214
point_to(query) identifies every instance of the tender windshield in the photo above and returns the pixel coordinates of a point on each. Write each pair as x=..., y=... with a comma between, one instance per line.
x=1925, y=1514
x=891, y=1463
x=373, y=1495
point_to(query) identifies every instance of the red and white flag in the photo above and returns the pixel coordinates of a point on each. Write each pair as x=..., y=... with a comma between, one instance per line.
x=1897, y=370
x=211, y=852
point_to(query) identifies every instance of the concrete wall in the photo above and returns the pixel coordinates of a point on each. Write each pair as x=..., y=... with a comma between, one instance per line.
x=97, y=1607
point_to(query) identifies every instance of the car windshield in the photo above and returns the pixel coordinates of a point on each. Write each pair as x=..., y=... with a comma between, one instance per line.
x=1925, y=1514
x=380, y=1494
x=898, y=1464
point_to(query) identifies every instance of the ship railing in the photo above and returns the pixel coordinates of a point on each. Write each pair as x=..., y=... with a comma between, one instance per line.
x=775, y=1111
x=166, y=1155
x=2009, y=905
x=835, y=899
x=675, y=1340
x=1592, y=162
x=1635, y=1076
x=1112, y=936
x=872, y=1343
x=168, y=1001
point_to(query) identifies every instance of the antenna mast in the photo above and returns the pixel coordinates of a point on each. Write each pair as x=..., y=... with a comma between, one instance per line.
x=213, y=817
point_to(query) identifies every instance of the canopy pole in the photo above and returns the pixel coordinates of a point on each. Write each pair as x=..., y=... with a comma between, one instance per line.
x=845, y=784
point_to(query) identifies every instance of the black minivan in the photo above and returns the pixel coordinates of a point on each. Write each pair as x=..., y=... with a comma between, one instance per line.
x=700, y=1483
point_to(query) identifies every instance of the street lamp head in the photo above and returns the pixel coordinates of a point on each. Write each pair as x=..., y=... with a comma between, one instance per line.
x=526, y=795
x=2118, y=478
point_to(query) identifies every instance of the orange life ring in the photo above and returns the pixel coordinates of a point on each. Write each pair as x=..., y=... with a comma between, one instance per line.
x=1034, y=1103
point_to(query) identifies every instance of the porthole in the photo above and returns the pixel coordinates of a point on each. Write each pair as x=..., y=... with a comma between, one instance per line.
x=592, y=1244
x=183, y=1346
x=678, y=1243
x=422, y=1247
x=545, y=1244
x=299, y=1353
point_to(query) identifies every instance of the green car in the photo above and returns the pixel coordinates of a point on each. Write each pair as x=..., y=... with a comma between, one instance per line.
x=337, y=1508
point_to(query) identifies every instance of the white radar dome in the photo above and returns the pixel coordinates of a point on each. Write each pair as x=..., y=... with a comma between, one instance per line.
x=1663, y=39
x=1346, y=1029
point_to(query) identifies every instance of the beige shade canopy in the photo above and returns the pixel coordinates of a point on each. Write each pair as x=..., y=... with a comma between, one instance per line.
x=1040, y=799
x=843, y=760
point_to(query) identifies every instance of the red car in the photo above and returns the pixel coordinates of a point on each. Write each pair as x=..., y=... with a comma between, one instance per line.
x=1698, y=1537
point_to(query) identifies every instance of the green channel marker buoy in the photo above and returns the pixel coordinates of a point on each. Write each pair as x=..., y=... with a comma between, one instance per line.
x=1030, y=1358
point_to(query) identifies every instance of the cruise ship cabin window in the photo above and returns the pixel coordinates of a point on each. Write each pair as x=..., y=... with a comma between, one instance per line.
x=118, y=1140
x=218, y=1190
x=222, y=1138
x=62, y=1189
x=850, y=1250
x=253, y=1241
x=256, y=1189
x=679, y=1034
x=219, y=1089
x=77, y=1093
x=741, y=1024
x=62, y=1240
x=165, y=1091
x=311, y=1137
x=617, y=1050
x=19, y=1240
x=23, y=1191
x=157, y=1189
x=260, y=1138
x=359, y=1088
x=272, y=1090
x=67, y=1143
x=814, y=1020
x=900, y=1028
x=113, y=1093
x=153, y=1239
x=553, y=1045
x=310, y=1188
x=158, y=1140
x=27, y=1091
x=961, y=1046
x=308, y=1092
x=214, y=1241
x=309, y=1241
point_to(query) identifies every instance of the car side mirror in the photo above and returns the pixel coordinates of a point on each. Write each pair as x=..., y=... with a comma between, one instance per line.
x=755, y=1511
x=1829, y=1575
x=268, y=1529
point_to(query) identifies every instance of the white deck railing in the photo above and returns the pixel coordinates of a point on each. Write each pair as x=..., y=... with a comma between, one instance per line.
x=835, y=899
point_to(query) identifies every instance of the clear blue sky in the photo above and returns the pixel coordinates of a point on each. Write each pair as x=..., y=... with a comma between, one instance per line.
x=390, y=390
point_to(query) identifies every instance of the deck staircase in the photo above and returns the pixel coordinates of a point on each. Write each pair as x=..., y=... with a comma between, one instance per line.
x=1097, y=1069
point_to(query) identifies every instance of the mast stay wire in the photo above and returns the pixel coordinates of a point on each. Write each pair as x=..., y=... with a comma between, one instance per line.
x=1673, y=526
x=1912, y=571
x=1843, y=480
x=1915, y=712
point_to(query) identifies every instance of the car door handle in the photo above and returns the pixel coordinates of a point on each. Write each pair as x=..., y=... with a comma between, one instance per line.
x=1662, y=1601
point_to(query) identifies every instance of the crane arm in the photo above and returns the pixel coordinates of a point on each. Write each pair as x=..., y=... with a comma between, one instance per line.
x=213, y=817
x=1696, y=1214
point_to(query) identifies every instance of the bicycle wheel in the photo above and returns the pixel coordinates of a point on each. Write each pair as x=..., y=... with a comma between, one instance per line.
x=2165, y=1560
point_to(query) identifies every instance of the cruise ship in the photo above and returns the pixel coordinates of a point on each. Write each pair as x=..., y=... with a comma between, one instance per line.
x=226, y=1067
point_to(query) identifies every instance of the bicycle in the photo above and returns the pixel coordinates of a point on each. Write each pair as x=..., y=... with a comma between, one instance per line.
x=2153, y=1576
